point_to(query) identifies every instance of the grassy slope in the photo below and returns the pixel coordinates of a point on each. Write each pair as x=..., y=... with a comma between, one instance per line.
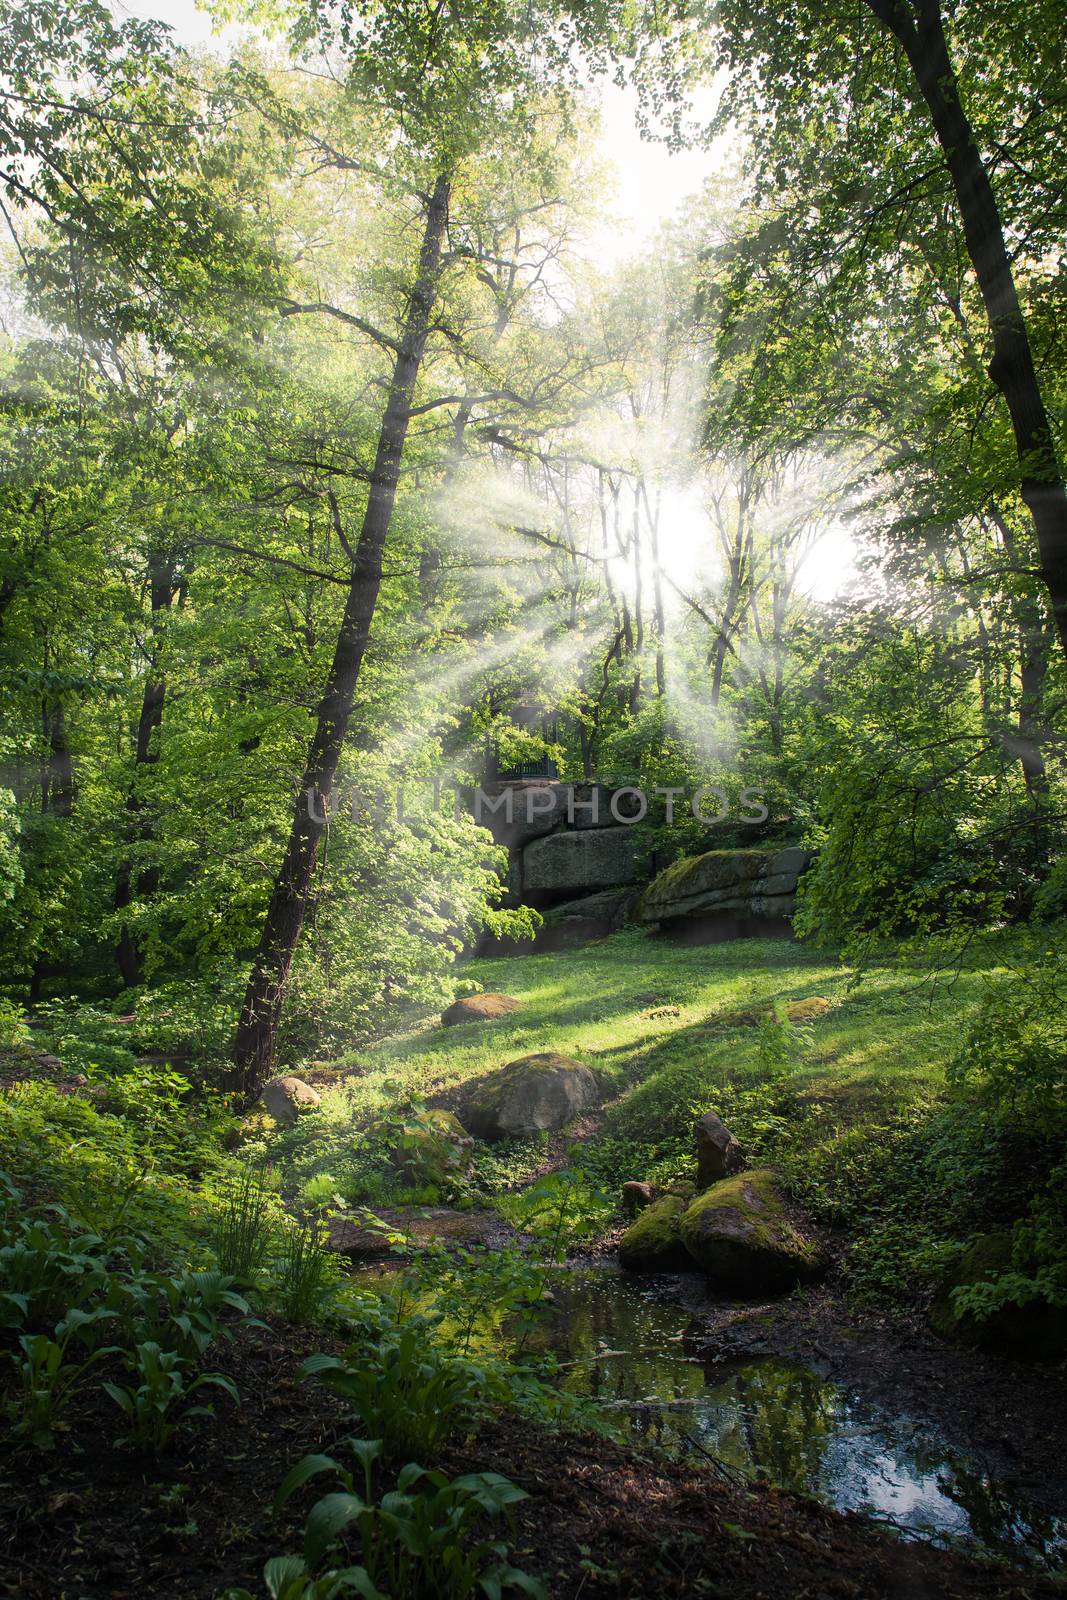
x=869, y=1073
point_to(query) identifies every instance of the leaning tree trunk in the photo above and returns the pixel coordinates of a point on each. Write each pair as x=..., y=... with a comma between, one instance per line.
x=919, y=27
x=253, y=1049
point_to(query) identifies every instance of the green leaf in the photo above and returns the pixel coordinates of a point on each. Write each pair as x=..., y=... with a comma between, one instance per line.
x=299, y=1475
x=281, y=1572
x=326, y=1520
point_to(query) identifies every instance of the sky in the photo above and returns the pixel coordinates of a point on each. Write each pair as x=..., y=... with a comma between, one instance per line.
x=652, y=184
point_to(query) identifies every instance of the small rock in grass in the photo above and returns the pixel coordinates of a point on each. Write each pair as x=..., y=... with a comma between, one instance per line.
x=286, y=1097
x=636, y=1196
x=479, y=1008
x=536, y=1094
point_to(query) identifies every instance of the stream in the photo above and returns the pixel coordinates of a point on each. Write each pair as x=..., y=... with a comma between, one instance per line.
x=780, y=1418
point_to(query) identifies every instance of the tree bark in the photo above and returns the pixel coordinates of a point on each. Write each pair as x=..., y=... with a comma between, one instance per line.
x=919, y=28
x=253, y=1050
x=128, y=881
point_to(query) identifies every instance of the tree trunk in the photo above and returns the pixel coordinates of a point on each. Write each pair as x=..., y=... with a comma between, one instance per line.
x=128, y=881
x=253, y=1050
x=920, y=31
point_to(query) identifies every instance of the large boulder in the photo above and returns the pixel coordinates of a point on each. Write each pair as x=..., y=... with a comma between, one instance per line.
x=1036, y=1331
x=718, y=1153
x=479, y=1008
x=653, y=1243
x=739, y=1233
x=753, y=885
x=536, y=1094
x=586, y=858
x=287, y=1097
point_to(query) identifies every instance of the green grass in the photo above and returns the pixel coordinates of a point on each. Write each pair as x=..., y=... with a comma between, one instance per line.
x=852, y=1107
x=866, y=1081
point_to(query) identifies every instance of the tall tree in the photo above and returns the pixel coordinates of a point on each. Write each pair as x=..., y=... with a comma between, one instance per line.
x=894, y=123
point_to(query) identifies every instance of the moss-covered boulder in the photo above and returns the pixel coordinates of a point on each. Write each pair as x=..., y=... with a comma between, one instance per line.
x=1036, y=1331
x=653, y=1243
x=431, y=1147
x=536, y=1094
x=741, y=1235
x=485, y=1007
x=753, y=884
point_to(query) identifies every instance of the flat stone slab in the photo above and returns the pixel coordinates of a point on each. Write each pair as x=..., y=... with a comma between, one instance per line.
x=357, y=1238
x=587, y=858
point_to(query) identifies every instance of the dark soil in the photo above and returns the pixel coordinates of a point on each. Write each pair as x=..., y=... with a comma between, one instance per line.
x=88, y=1521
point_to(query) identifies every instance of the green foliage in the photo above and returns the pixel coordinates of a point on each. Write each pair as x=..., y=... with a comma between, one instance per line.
x=560, y=1209
x=1013, y=1065
x=14, y=1030
x=305, y=1273
x=422, y=1539
x=781, y=1045
x=403, y=1388
x=157, y=1403
x=1014, y=1057
x=243, y=1224
x=46, y=1381
x=160, y=1324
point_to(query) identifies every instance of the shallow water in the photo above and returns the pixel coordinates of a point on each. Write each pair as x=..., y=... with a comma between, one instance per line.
x=804, y=1431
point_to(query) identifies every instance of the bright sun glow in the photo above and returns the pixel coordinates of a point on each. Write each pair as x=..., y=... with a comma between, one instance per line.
x=652, y=185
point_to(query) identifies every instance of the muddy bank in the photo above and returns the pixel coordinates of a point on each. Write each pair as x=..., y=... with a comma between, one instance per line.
x=1008, y=1416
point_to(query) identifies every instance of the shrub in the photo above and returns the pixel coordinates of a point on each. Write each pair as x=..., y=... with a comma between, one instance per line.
x=402, y=1387
x=243, y=1225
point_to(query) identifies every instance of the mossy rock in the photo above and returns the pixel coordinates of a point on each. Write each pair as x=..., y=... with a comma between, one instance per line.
x=761, y=883
x=653, y=1243
x=794, y=1011
x=479, y=1008
x=1032, y=1332
x=740, y=1234
x=536, y=1094
x=430, y=1148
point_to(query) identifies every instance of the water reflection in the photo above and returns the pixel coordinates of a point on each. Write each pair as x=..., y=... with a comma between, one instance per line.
x=779, y=1418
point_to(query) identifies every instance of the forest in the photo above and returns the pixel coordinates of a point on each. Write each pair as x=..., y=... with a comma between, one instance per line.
x=533, y=795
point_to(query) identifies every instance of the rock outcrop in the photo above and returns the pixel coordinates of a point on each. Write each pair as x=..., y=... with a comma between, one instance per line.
x=577, y=922
x=747, y=886
x=739, y=1234
x=536, y=1094
x=287, y=1097
x=587, y=858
